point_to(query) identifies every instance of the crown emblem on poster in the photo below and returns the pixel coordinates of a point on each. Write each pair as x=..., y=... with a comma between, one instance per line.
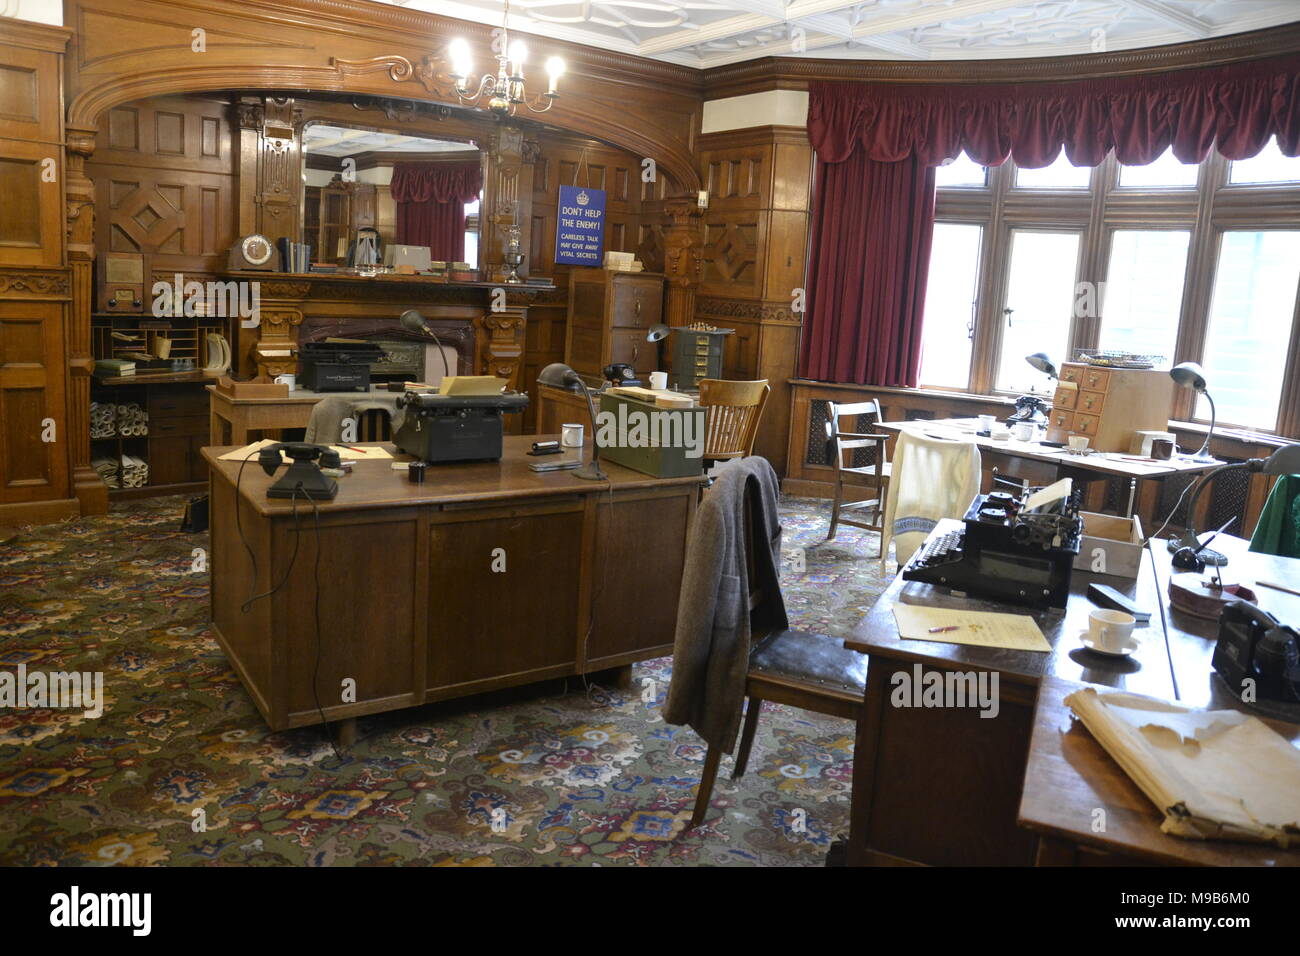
x=583, y=198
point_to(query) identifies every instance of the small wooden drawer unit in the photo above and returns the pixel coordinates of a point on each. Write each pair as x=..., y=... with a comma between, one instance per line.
x=1109, y=404
x=610, y=313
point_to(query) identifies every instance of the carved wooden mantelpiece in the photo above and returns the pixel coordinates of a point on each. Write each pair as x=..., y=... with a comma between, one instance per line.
x=341, y=305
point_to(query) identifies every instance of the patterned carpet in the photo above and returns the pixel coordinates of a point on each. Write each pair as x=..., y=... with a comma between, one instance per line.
x=181, y=770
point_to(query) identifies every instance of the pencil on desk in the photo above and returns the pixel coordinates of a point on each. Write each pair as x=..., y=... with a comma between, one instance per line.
x=1277, y=587
x=944, y=630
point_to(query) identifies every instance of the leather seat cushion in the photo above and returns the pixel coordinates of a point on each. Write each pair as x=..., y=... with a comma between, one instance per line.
x=815, y=659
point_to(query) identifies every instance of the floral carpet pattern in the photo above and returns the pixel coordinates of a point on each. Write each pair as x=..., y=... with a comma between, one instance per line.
x=180, y=769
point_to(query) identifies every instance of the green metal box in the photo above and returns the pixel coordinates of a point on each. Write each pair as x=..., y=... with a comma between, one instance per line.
x=661, y=442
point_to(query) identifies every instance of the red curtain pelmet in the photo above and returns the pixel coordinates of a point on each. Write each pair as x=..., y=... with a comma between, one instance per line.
x=431, y=200
x=870, y=242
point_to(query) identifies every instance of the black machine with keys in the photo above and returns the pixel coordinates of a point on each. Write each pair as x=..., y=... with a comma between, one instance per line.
x=452, y=428
x=1006, y=551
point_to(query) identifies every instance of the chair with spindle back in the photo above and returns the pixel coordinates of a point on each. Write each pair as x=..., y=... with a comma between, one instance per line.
x=733, y=411
x=814, y=672
x=874, y=476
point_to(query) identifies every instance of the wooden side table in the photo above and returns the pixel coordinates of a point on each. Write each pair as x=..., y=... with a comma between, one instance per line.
x=231, y=420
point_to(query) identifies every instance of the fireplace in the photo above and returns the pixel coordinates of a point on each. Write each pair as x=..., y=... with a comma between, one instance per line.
x=408, y=356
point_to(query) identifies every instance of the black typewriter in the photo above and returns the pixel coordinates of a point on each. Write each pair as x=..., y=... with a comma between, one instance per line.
x=1006, y=550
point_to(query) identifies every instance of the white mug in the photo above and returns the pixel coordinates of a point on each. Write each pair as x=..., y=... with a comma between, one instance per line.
x=987, y=422
x=1078, y=443
x=658, y=379
x=289, y=380
x=1024, y=431
x=571, y=436
x=1109, y=629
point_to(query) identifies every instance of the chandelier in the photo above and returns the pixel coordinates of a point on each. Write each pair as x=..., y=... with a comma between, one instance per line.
x=503, y=92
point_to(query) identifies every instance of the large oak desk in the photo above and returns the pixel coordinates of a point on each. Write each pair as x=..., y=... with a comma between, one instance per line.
x=486, y=576
x=1062, y=464
x=943, y=785
x=1070, y=777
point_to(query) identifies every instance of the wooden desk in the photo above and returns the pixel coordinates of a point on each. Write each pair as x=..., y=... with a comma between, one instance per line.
x=1082, y=468
x=232, y=421
x=1070, y=776
x=486, y=576
x=942, y=785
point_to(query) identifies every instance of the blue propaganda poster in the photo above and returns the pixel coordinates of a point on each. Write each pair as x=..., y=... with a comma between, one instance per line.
x=580, y=229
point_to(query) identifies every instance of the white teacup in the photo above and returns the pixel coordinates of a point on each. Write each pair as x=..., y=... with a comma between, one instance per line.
x=1111, y=630
x=1078, y=443
x=1023, y=431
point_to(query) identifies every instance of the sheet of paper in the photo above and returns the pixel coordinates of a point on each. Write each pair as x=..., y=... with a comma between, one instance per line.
x=1017, y=632
x=1053, y=492
x=352, y=453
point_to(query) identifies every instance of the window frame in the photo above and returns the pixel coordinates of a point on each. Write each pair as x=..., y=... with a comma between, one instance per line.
x=1209, y=209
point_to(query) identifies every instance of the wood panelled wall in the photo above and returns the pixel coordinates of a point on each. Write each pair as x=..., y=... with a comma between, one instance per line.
x=166, y=180
x=753, y=260
x=37, y=435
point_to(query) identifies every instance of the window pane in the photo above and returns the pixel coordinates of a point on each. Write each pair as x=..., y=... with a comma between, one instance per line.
x=1269, y=166
x=950, y=305
x=1165, y=170
x=1040, y=295
x=1144, y=291
x=1250, y=326
x=962, y=171
x=1060, y=175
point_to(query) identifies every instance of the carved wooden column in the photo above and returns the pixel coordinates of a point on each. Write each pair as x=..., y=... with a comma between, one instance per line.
x=249, y=117
x=279, y=170
x=89, y=489
x=507, y=199
x=683, y=241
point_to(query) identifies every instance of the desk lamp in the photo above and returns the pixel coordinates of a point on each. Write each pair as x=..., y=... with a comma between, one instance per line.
x=657, y=334
x=559, y=375
x=1040, y=361
x=1190, y=375
x=413, y=321
x=1284, y=461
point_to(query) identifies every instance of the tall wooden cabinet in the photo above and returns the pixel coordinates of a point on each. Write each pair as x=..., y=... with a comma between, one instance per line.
x=36, y=435
x=610, y=314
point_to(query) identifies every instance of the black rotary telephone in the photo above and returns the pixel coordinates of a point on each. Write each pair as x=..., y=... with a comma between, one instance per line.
x=304, y=476
x=1029, y=408
x=1253, y=645
x=620, y=373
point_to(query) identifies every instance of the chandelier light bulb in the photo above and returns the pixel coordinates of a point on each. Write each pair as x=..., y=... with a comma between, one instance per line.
x=554, y=70
x=461, y=62
x=518, y=53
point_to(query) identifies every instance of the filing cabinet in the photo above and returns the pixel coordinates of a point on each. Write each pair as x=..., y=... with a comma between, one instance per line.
x=1109, y=404
x=697, y=354
x=610, y=314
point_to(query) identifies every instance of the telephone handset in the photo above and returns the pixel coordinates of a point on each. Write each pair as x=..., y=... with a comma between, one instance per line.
x=304, y=477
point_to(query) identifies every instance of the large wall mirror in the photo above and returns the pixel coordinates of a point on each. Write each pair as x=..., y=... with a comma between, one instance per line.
x=370, y=194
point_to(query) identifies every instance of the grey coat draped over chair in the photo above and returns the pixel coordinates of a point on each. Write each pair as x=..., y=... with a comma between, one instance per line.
x=714, y=620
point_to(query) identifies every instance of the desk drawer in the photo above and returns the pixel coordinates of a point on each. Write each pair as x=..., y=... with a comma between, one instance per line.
x=1094, y=379
x=1063, y=420
x=173, y=402
x=1065, y=397
x=1091, y=402
x=175, y=426
x=1085, y=424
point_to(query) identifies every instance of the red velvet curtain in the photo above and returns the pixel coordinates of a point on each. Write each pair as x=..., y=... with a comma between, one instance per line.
x=431, y=200
x=869, y=270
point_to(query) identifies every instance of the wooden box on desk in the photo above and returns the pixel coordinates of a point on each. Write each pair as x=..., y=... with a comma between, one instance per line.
x=1110, y=545
x=1109, y=404
x=650, y=439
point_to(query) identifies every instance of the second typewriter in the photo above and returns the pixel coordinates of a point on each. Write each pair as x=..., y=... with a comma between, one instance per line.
x=1012, y=547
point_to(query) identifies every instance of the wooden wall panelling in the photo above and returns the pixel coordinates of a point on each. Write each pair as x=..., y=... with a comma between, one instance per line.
x=37, y=427
x=166, y=182
x=753, y=260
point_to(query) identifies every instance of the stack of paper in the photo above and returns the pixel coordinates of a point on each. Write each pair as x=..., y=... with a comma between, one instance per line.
x=1215, y=775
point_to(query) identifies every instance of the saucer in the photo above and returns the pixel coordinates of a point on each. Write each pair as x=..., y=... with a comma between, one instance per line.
x=1131, y=645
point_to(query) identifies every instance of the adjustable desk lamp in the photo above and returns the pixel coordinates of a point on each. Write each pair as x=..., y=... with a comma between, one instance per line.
x=1284, y=461
x=559, y=375
x=1190, y=375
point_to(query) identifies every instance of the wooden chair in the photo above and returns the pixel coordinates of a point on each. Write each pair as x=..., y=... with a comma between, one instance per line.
x=732, y=416
x=875, y=475
x=800, y=669
x=374, y=425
